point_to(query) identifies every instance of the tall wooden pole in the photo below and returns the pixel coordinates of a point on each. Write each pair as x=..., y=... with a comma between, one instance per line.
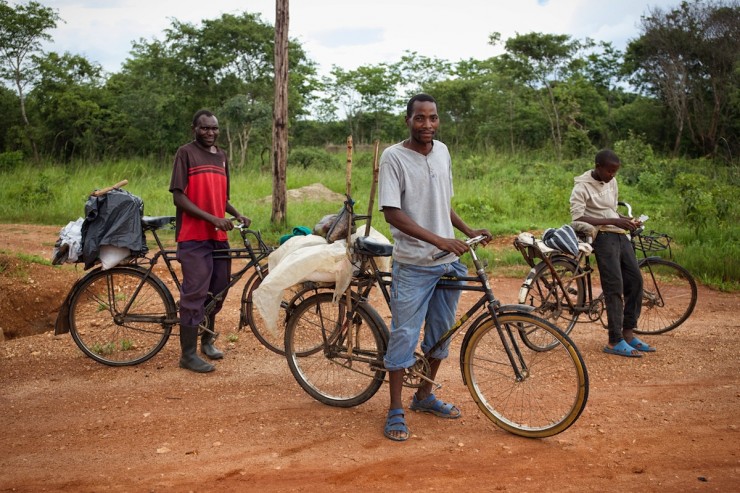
x=280, y=116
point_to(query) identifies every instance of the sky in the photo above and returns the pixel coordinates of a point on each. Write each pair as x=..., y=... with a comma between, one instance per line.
x=351, y=33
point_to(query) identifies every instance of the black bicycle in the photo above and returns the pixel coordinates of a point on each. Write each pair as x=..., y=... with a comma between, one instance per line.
x=335, y=351
x=124, y=315
x=559, y=285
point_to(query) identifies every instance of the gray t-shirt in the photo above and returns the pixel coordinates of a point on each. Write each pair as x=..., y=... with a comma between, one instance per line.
x=421, y=186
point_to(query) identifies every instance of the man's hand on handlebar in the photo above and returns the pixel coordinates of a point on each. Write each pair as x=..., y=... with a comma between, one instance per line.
x=227, y=224
x=459, y=247
x=487, y=236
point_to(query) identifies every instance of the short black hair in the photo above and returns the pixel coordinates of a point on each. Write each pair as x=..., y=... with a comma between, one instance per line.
x=418, y=97
x=200, y=113
x=605, y=156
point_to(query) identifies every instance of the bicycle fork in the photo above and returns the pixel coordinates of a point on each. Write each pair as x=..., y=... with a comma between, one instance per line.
x=511, y=347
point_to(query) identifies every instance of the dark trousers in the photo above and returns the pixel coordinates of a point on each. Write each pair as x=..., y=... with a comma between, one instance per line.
x=201, y=276
x=620, y=277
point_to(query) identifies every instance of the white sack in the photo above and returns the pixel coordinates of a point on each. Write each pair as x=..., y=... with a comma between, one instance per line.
x=306, y=258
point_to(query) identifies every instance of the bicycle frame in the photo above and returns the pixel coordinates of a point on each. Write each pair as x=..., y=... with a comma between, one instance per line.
x=369, y=275
x=169, y=256
x=552, y=291
x=583, y=270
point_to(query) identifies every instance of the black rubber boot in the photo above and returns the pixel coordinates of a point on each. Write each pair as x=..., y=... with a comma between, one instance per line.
x=189, y=344
x=207, y=340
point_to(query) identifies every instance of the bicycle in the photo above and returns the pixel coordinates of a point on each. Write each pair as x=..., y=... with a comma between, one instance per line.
x=335, y=351
x=560, y=289
x=124, y=315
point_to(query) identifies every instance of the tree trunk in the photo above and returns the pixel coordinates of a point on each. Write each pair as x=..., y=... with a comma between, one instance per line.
x=27, y=124
x=280, y=115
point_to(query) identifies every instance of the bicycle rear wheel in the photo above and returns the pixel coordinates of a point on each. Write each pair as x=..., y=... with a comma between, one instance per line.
x=118, y=318
x=669, y=296
x=542, y=291
x=551, y=389
x=337, y=361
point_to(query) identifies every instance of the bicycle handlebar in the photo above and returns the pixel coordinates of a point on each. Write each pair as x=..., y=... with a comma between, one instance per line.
x=471, y=242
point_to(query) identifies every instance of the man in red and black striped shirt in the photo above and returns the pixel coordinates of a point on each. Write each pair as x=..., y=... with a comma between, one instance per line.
x=200, y=189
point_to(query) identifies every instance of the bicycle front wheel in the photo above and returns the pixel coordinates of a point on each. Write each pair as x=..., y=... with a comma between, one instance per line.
x=526, y=391
x=336, y=360
x=119, y=318
x=669, y=296
x=251, y=316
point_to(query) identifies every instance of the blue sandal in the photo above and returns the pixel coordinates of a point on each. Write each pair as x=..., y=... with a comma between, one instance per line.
x=641, y=346
x=622, y=349
x=395, y=422
x=431, y=404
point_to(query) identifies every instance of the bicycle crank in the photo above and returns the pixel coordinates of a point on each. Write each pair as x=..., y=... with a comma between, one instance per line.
x=415, y=376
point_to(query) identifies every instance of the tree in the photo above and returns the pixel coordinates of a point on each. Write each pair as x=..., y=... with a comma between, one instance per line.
x=68, y=98
x=223, y=64
x=280, y=115
x=21, y=31
x=689, y=57
x=542, y=61
x=368, y=89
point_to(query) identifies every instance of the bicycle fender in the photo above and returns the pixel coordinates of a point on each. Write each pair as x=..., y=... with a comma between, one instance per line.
x=61, y=325
x=515, y=308
x=652, y=257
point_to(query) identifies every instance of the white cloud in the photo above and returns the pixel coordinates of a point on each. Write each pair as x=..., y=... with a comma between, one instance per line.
x=349, y=33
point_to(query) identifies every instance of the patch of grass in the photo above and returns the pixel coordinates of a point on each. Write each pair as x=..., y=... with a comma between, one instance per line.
x=103, y=349
x=34, y=259
x=505, y=193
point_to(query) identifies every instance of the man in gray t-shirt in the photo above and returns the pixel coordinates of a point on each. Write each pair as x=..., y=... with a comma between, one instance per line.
x=415, y=192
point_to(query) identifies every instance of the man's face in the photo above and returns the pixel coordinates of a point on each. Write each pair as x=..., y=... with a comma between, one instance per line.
x=206, y=131
x=606, y=172
x=423, y=122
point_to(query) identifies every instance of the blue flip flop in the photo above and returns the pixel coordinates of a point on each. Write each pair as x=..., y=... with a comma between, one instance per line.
x=396, y=422
x=641, y=346
x=622, y=349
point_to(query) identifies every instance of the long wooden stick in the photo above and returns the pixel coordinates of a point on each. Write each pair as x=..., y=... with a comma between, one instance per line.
x=373, y=187
x=348, y=178
x=349, y=190
x=103, y=191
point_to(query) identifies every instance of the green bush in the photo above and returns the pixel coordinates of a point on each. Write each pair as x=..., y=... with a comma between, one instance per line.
x=577, y=144
x=10, y=160
x=636, y=156
x=312, y=157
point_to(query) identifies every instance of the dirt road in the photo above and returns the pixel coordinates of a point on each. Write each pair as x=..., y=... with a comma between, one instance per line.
x=665, y=422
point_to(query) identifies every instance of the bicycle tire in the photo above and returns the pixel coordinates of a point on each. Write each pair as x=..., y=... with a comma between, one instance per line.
x=669, y=295
x=318, y=355
x=103, y=333
x=251, y=316
x=553, y=391
x=548, y=298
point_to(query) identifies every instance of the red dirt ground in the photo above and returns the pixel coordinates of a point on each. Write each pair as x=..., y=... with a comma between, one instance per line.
x=666, y=422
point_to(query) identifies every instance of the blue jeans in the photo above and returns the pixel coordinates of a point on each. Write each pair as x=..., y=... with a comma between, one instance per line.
x=414, y=301
x=620, y=276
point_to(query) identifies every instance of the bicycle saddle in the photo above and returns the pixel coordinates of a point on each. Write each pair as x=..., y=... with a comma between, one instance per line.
x=156, y=222
x=364, y=245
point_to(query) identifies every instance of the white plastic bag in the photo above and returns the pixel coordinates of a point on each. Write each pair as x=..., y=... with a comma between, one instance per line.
x=110, y=255
x=68, y=247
